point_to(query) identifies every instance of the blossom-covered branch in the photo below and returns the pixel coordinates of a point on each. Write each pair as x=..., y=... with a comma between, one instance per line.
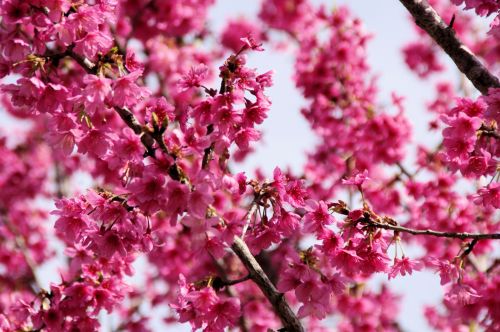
x=429, y=20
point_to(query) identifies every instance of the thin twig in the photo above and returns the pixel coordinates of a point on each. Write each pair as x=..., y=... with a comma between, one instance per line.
x=404, y=170
x=236, y=281
x=429, y=20
x=453, y=235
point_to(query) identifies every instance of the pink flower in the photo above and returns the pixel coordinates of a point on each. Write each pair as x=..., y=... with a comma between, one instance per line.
x=92, y=44
x=225, y=313
x=26, y=92
x=288, y=281
x=132, y=63
x=226, y=117
x=265, y=80
x=355, y=215
x=422, y=58
x=78, y=294
x=317, y=218
x=251, y=43
x=288, y=222
x=357, y=179
x=460, y=136
x=403, y=266
x=127, y=150
x=14, y=11
x=279, y=182
x=16, y=49
x=72, y=221
x=293, y=16
x=177, y=200
x=336, y=282
x=295, y=193
x=194, y=77
x=461, y=294
x=164, y=111
x=315, y=297
x=237, y=29
x=331, y=242
x=199, y=199
x=448, y=272
x=97, y=89
x=489, y=195
x=109, y=243
x=149, y=191
x=126, y=93
x=52, y=97
x=478, y=165
x=492, y=101
x=482, y=7
x=347, y=260
x=53, y=318
x=470, y=107
x=460, y=126
x=263, y=236
x=86, y=19
x=203, y=300
x=95, y=143
x=245, y=136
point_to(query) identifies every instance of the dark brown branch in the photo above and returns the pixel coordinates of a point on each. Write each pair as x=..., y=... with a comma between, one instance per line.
x=59, y=179
x=469, y=248
x=453, y=235
x=129, y=118
x=290, y=321
x=370, y=219
x=426, y=18
x=207, y=155
x=236, y=281
x=86, y=64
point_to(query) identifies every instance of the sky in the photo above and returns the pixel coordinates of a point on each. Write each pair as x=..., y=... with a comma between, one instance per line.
x=287, y=135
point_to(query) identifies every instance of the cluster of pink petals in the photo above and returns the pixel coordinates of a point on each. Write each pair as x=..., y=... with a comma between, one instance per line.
x=121, y=91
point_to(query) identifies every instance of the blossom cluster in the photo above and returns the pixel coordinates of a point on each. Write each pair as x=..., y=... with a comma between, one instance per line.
x=137, y=97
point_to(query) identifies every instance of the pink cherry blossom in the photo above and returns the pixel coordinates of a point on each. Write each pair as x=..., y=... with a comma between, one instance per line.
x=404, y=266
x=138, y=120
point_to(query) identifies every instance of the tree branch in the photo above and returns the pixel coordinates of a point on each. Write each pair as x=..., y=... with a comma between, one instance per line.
x=236, y=281
x=290, y=321
x=453, y=235
x=429, y=20
x=248, y=218
x=130, y=120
